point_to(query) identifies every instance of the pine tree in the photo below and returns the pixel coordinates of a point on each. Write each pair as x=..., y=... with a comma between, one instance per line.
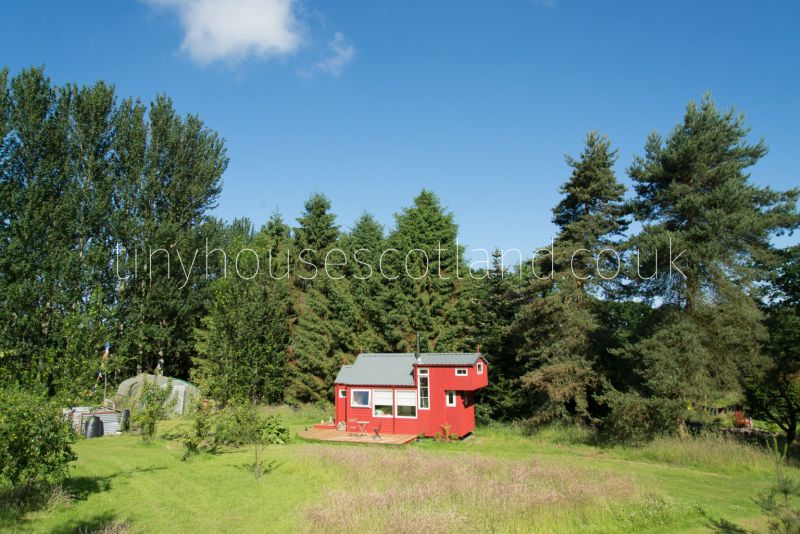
x=423, y=277
x=316, y=234
x=694, y=189
x=559, y=325
x=363, y=246
x=497, y=298
x=694, y=195
x=323, y=333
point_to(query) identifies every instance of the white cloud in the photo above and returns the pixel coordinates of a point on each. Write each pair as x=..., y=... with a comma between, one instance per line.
x=340, y=53
x=231, y=30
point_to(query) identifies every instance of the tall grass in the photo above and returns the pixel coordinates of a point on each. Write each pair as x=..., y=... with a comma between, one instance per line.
x=411, y=490
x=717, y=453
x=713, y=452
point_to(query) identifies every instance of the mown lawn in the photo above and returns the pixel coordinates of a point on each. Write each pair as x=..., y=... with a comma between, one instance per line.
x=498, y=481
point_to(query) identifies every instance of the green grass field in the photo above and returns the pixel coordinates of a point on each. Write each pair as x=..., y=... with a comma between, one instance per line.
x=498, y=481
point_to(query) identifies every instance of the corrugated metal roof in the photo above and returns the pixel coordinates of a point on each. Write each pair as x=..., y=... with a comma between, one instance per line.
x=449, y=358
x=379, y=370
x=396, y=369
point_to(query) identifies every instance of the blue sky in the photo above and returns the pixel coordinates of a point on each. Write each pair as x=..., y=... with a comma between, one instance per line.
x=371, y=101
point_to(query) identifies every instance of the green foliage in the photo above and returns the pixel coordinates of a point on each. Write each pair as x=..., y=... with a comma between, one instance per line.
x=242, y=343
x=35, y=450
x=634, y=420
x=694, y=188
x=80, y=173
x=243, y=425
x=693, y=194
x=494, y=301
x=773, y=391
x=559, y=326
x=434, y=304
x=153, y=406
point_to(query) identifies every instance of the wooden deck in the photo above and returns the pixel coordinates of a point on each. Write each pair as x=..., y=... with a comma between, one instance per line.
x=324, y=434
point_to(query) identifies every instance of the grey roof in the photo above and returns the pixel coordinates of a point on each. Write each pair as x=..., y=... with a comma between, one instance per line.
x=449, y=358
x=384, y=369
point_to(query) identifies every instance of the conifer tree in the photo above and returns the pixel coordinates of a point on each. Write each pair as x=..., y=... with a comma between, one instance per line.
x=316, y=233
x=424, y=274
x=559, y=325
x=497, y=299
x=323, y=334
x=695, y=200
x=363, y=246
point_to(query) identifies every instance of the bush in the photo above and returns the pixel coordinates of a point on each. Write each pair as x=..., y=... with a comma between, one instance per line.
x=241, y=425
x=634, y=420
x=35, y=443
x=153, y=407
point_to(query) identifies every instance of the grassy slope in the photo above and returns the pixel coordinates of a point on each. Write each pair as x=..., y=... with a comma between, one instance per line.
x=118, y=478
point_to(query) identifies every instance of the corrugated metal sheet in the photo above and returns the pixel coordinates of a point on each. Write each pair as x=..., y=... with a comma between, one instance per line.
x=387, y=369
x=111, y=421
x=449, y=358
x=379, y=370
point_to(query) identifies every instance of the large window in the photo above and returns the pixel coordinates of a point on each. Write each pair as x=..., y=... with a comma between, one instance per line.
x=424, y=389
x=382, y=403
x=359, y=398
x=406, y=403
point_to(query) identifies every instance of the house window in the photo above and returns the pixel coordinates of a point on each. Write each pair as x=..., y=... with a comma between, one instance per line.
x=424, y=389
x=359, y=398
x=461, y=372
x=342, y=393
x=451, y=398
x=480, y=368
x=382, y=403
x=406, y=403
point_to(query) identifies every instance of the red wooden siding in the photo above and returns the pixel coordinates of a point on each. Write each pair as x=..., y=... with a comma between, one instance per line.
x=460, y=418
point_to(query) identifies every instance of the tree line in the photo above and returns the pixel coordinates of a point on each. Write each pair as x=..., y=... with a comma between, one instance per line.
x=86, y=176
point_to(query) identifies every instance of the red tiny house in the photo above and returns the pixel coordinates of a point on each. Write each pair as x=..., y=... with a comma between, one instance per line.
x=411, y=393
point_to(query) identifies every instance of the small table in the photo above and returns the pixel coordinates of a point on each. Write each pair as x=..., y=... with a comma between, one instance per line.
x=362, y=428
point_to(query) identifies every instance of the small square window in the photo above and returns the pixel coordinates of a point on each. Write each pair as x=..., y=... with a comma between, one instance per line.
x=461, y=372
x=359, y=398
x=342, y=393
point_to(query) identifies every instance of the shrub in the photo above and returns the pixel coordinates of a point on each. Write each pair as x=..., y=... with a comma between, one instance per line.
x=234, y=426
x=152, y=408
x=634, y=420
x=34, y=444
x=241, y=425
x=197, y=439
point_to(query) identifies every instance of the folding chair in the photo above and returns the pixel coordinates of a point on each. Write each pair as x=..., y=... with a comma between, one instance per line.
x=376, y=431
x=352, y=427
